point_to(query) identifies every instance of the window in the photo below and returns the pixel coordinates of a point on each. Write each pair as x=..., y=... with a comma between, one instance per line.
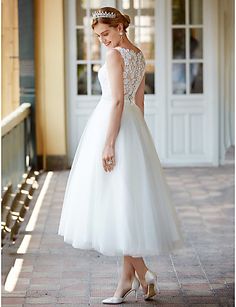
x=89, y=56
x=88, y=49
x=187, y=47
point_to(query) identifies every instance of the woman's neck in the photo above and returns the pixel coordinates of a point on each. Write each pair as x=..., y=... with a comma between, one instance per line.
x=125, y=43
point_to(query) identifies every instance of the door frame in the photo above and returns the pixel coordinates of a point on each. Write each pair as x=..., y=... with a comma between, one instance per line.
x=157, y=106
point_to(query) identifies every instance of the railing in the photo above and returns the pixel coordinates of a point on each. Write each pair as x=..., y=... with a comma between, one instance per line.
x=18, y=177
x=15, y=160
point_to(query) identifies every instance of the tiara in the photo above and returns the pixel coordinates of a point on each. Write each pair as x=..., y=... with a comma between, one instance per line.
x=98, y=14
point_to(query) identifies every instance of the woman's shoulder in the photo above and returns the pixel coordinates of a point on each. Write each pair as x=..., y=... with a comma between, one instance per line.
x=113, y=54
x=130, y=48
x=114, y=58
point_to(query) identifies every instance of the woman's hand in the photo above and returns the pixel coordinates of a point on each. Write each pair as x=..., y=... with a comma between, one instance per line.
x=107, y=156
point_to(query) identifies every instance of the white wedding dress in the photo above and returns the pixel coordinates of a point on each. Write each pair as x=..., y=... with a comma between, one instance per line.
x=127, y=211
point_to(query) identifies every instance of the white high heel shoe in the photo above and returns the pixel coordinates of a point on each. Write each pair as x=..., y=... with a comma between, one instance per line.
x=151, y=280
x=117, y=300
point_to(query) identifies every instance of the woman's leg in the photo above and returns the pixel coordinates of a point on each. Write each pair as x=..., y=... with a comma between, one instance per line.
x=126, y=278
x=140, y=268
x=130, y=265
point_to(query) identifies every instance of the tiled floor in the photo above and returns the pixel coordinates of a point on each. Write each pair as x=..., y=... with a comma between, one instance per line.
x=52, y=273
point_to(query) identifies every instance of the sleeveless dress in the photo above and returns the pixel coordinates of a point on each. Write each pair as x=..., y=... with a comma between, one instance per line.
x=129, y=210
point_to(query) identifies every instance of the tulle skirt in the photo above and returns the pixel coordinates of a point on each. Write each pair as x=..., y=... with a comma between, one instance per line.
x=129, y=210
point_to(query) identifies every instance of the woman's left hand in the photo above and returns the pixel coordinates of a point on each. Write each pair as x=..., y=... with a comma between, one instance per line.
x=107, y=156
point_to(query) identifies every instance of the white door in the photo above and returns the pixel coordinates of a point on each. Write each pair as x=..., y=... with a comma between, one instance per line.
x=192, y=86
x=180, y=103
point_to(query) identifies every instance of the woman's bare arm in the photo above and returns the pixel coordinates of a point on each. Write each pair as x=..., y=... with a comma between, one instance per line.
x=115, y=74
x=139, y=96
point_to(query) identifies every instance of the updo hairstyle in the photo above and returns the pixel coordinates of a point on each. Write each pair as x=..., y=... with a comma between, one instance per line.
x=112, y=22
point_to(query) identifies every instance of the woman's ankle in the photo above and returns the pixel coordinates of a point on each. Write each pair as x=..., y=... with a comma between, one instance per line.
x=141, y=275
x=127, y=278
x=127, y=275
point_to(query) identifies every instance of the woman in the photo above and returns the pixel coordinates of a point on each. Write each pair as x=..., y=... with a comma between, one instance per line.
x=117, y=201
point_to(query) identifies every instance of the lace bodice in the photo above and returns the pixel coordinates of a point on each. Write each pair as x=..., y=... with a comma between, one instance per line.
x=134, y=69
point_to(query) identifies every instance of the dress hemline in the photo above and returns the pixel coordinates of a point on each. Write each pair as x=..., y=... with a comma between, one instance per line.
x=89, y=247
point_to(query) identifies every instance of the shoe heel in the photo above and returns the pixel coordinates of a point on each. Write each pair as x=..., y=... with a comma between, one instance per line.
x=157, y=288
x=136, y=295
x=151, y=279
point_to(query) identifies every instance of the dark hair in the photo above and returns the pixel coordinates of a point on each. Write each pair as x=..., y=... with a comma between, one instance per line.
x=112, y=22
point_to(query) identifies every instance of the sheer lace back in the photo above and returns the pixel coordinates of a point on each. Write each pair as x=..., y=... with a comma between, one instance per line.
x=134, y=69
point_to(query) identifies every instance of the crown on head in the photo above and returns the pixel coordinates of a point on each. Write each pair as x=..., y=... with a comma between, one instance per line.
x=98, y=14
